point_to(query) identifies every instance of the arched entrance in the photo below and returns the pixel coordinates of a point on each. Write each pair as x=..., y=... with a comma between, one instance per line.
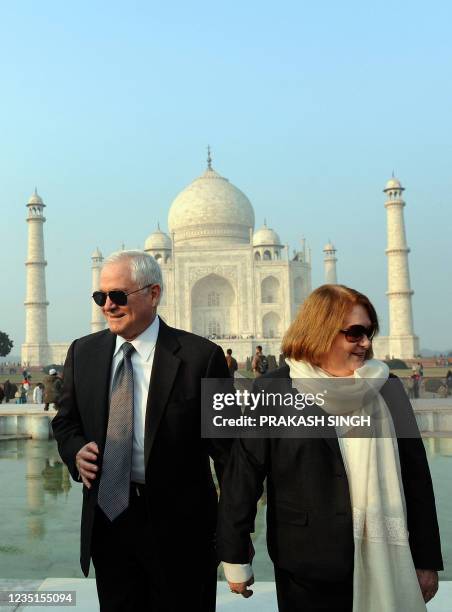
x=271, y=325
x=213, y=307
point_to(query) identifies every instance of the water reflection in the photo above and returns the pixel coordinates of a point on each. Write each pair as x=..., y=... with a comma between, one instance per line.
x=42, y=506
x=40, y=536
x=441, y=447
x=45, y=473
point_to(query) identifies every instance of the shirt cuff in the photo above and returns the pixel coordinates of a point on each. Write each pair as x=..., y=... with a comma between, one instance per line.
x=237, y=572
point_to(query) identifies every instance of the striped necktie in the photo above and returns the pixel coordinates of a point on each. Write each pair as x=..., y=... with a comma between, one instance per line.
x=114, y=486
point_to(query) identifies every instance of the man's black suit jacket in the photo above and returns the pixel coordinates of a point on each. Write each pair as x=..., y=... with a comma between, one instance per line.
x=309, y=515
x=180, y=493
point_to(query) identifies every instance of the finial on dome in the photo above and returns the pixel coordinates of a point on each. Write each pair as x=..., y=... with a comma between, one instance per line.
x=209, y=158
x=393, y=175
x=36, y=191
x=158, y=225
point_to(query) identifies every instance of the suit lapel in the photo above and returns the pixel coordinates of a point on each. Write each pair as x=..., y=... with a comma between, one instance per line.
x=104, y=364
x=164, y=371
x=97, y=367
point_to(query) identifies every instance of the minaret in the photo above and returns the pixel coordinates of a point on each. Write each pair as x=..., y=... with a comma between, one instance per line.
x=97, y=318
x=330, y=260
x=402, y=341
x=36, y=350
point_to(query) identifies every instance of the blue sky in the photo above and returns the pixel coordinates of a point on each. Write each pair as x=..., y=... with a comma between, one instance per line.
x=108, y=108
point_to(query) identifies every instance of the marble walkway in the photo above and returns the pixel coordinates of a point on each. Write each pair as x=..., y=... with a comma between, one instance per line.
x=263, y=600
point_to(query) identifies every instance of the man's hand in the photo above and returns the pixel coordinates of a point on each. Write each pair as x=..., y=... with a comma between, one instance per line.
x=428, y=581
x=241, y=587
x=85, y=460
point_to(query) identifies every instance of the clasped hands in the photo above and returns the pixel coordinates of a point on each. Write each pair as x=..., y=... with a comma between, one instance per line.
x=428, y=582
x=241, y=588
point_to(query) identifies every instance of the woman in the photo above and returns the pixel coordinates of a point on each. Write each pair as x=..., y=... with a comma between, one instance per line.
x=339, y=510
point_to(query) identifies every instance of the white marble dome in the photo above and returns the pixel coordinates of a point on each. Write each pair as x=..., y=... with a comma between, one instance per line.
x=265, y=236
x=211, y=209
x=156, y=241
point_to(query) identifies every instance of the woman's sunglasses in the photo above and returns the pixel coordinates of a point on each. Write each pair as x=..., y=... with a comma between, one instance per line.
x=355, y=333
x=117, y=297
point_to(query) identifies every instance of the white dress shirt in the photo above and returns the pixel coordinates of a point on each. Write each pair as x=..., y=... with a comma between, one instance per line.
x=142, y=360
x=237, y=572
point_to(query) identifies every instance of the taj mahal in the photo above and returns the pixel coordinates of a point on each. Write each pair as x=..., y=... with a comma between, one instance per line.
x=222, y=278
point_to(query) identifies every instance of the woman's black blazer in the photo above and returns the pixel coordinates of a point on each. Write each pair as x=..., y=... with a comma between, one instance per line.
x=309, y=516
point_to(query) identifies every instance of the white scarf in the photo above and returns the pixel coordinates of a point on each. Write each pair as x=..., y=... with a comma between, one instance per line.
x=384, y=577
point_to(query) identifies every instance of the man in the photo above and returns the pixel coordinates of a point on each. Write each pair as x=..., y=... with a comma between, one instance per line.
x=7, y=391
x=52, y=389
x=129, y=428
x=232, y=363
x=260, y=363
x=38, y=393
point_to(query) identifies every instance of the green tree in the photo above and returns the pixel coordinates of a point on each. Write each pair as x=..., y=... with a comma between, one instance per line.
x=5, y=344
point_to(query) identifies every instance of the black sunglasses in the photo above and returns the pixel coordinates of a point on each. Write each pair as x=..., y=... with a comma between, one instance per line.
x=355, y=333
x=117, y=297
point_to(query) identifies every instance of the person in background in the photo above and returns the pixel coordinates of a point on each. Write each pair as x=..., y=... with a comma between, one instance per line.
x=38, y=394
x=259, y=364
x=52, y=388
x=7, y=390
x=232, y=363
x=26, y=388
x=449, y=381
x=416, y=379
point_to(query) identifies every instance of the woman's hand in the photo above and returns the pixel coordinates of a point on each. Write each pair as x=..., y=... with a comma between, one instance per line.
x=428, y=581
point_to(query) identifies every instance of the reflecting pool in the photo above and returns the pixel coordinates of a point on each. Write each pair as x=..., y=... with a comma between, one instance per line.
x=41, y=505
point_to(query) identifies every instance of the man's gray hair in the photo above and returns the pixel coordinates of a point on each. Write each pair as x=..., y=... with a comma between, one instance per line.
x=143, y=267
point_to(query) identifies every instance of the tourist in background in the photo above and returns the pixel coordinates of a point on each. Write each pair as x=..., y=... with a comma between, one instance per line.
x=7, y=390
x=232, y=363
x=52, y=388
x=259, y=364
x=351, y=522
x=415, y=384
x=26, y=386
x=449, y=382
x=38, y=394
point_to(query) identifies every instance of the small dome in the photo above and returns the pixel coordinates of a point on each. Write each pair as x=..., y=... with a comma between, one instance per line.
x=36, y=199
x=97, y=254
x=393, y=183
x=158, y=240
x=265, y=236
x=329, y=247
